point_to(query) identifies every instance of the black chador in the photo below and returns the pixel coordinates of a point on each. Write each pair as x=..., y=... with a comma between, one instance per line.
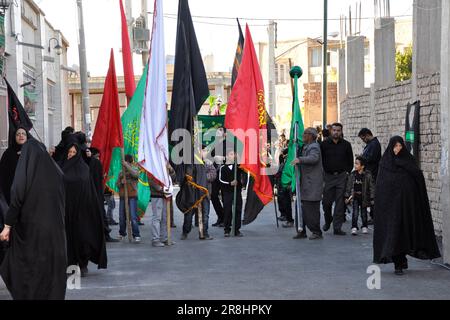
x=36, y=261
x=84, y=221
x=403, y=223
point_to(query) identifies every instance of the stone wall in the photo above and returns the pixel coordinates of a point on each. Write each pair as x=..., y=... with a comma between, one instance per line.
x=384, y=111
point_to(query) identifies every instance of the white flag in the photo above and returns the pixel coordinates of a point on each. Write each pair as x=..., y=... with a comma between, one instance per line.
x=153, y=138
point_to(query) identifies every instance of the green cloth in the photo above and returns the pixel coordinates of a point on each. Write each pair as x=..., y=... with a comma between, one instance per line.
x=288, y=175
x=131, y=123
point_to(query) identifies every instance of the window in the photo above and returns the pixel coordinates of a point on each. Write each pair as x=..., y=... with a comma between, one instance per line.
x=280, y=74
x=316, y=57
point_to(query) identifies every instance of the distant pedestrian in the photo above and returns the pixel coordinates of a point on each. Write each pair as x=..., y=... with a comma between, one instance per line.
x=361, y=191
x=337, y=157
x=311, y=183
x=403, y=223
x=226, y=178
x=129, y=177
x=372, y=155
x=160, y=197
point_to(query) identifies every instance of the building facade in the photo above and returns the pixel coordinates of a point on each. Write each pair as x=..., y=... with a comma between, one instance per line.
x=35, y=65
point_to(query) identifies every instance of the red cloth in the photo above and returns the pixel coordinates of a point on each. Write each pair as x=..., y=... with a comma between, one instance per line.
x=246, y=110
x=108, y=129
x=128, y=71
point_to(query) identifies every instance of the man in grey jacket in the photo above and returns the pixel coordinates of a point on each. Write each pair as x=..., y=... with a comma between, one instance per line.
x=311, y=183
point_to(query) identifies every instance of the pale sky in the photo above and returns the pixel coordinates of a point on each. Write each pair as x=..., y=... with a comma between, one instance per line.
x=102, y=25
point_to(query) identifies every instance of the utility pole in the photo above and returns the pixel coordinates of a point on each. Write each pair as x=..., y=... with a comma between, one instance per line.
x=144, y=13
x=272, y=66
x=83, y=72
x=324, y=63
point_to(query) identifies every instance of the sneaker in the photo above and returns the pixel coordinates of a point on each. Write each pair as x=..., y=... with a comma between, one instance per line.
x=137, y=239
x=158, y=244
x=288, y=224
x=207, y=237
x=354, y=232
x=365, y=230
x=184, y=236
x=227, y=235
x=167, y=243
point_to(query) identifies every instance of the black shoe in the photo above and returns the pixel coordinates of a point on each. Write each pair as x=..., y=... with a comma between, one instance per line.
x=238, y=234
x=109, y=239
x=399, y=271
x=339, y=233
x=405, y=264
x=221, y=225
x=300, y=235
x=288, y=224
x=282, y=218
x=315, y=236
x=84, y=271
x=207, y=237
x=326, y=227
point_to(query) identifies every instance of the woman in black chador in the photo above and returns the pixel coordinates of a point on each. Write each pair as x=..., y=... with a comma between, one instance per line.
x=84, y=223
x=36, y=261
x=403, y=224
x=9, y=161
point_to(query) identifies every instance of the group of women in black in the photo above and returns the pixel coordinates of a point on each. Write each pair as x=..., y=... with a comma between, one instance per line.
x=52, y=217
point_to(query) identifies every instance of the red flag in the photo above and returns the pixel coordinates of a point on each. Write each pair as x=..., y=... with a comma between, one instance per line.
x=108, y=129
x=246, y=113
x=128, y=71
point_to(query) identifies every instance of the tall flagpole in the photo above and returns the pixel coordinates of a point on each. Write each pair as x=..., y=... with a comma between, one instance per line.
x=233, y=223
x=127, y=208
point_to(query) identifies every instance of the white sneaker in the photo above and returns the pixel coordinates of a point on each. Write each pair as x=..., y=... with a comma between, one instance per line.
x=158, y=244
x=137, y=239
x=365, y=230
x=354, y=231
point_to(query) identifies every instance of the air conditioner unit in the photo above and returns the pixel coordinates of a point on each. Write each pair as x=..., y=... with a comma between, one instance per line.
x=140, y=34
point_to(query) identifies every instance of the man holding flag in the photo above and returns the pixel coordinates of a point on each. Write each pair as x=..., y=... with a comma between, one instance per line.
x=190, y=90
x=153, y=154
x=246, y=118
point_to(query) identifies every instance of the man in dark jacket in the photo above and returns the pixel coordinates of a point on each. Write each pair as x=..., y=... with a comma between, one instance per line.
x=372, y=151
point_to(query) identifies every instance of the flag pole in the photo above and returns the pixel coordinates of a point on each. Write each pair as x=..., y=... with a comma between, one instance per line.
x=127, y=208
x=233, y=223
x=275, y=196
x=169, y=222
x=298, y=199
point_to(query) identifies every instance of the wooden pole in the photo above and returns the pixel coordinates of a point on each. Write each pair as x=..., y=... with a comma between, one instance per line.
x=127, y=207
x=200, y=221
x=233, y=221
x=169, y=222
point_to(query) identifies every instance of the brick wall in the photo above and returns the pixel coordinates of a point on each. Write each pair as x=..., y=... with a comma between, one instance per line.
x=313, y=103
x=384, y=111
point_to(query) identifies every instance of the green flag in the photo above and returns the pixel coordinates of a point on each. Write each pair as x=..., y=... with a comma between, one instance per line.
x=288, y=176
x=131, y=122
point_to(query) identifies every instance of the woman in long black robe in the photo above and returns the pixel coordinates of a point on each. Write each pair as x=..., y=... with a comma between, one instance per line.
x=36, y=261
x=403, y=224
x=84, y=223
x=9, y=161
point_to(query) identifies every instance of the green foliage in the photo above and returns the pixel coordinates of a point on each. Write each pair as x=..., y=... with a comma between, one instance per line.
x=403, y=64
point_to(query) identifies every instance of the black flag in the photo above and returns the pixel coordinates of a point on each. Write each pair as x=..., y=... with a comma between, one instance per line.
x=238, y=57
x=190, y=90
x=17, y=115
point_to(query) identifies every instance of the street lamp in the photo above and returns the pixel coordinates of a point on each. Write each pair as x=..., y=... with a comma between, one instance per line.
x=58, y=47
x=4, y=5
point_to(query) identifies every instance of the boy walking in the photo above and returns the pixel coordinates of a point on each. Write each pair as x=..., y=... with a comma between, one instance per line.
x=360, y=189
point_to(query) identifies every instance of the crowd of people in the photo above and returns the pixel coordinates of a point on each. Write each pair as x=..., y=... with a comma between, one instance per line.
x=53, y=203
